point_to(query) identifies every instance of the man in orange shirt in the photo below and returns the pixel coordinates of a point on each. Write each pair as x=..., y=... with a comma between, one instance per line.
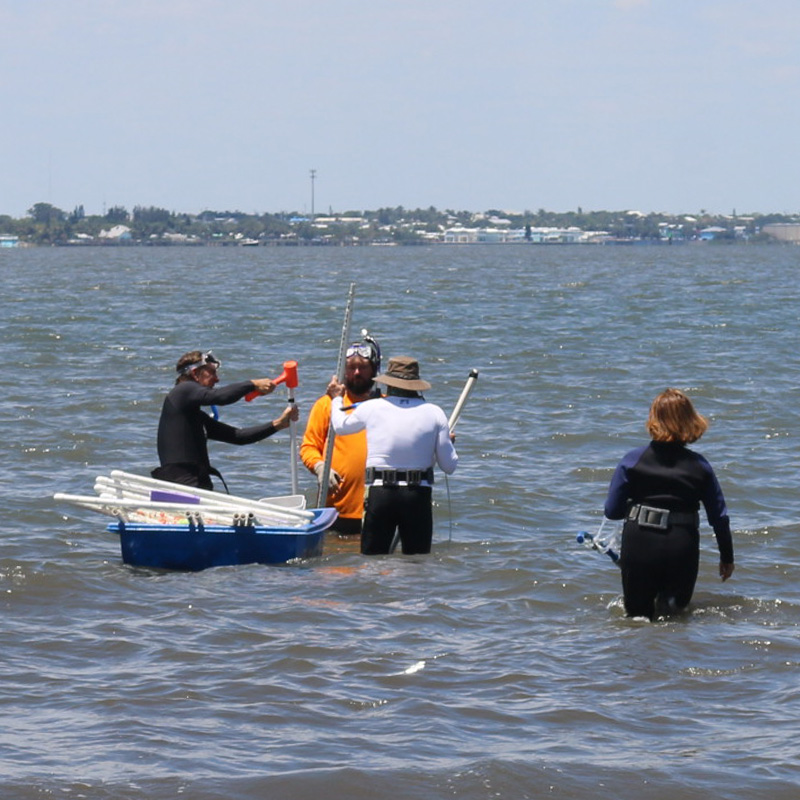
x=346, y=477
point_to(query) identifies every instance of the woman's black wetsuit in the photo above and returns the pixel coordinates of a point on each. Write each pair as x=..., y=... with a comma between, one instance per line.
x=660, y=553
x=184, y=428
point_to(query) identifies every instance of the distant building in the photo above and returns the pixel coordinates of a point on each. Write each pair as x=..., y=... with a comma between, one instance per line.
x=709, y=234
x=81, y=238
x=670, y=232
x=9, y=240
x=557, y=235
x=461, y=235
x=118, y=232
x=500, y=235
x=784, y=231
x=325, y=221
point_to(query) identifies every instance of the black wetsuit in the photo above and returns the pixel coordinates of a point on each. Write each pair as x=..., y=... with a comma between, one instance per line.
x=184, y=428
x=662, y=563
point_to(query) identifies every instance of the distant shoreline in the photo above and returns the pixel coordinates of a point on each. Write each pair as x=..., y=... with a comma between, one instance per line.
x=771, y=242
x=48, y=225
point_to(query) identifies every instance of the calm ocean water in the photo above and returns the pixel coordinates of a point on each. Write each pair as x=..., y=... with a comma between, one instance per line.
x=500, y=666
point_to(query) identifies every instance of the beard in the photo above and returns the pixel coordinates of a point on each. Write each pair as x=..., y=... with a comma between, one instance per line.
x=358, y=384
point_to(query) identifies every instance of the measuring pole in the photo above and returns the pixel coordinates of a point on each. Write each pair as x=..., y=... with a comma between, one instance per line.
x=322, y=492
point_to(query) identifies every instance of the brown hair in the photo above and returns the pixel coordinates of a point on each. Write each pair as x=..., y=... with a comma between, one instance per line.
x=673, y=419
x=192, y=357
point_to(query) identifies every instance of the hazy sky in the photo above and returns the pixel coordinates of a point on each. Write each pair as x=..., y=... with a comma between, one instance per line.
x=655, y=105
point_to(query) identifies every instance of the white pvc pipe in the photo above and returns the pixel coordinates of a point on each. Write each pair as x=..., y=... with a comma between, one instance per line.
x=217, y=498
x=113, y=506
x=131, y=490
x=292, y=446
x=465, y=392
x=211, y=514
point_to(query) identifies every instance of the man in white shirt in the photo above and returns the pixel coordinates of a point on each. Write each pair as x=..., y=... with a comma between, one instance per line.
x=406, y=436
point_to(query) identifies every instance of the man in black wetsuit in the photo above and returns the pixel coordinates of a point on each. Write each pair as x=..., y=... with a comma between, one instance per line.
x=184, y=427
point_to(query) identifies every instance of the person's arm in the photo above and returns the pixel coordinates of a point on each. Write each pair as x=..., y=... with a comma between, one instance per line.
x=289, y=415
x=312, y=448
x=221, y=432
x=315, y=438
x=263, y=385
x=446, y=456
x=616, y=505
x=717, y=515
x=191, y=393
x=343, y=423
x=619, y=498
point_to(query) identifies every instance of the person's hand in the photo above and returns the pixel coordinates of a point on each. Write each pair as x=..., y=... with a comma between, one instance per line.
x=264, y=385
x=725, y=571
x=290, y=414
x=335, y=389
x=334, y=478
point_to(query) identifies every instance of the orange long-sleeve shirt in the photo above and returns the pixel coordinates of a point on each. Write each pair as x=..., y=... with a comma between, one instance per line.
x=349, y=457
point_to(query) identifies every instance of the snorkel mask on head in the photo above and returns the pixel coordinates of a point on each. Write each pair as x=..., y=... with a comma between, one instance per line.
x=206, y=359
x=367, y=348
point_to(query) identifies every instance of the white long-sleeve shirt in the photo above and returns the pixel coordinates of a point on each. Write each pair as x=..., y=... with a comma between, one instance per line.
x=404, y=433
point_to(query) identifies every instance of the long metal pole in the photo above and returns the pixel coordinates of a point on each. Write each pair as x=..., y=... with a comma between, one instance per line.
x=322, y=492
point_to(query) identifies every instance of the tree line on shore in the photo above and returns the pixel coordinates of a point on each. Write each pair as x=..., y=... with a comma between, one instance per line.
x=45, y=224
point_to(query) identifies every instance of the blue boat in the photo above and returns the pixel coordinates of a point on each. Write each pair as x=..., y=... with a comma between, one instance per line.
x=193, y=546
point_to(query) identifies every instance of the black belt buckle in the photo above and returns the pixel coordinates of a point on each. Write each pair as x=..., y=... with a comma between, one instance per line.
x=649, y=517
x=388, y=476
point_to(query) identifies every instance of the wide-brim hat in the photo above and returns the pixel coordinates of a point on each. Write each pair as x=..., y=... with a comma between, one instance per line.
x=403, y=373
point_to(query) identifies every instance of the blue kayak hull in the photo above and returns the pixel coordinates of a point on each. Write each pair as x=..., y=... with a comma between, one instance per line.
x=194, y=547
